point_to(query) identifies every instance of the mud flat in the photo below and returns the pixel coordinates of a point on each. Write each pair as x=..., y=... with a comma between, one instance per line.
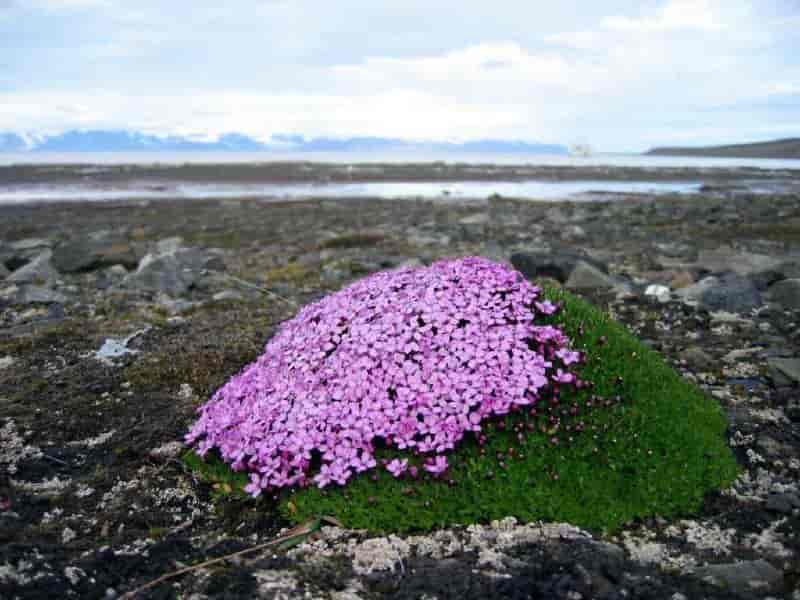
x=93, y=498
x=310, y=172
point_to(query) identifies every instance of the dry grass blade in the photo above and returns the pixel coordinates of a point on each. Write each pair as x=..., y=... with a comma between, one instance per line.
x=301, y=531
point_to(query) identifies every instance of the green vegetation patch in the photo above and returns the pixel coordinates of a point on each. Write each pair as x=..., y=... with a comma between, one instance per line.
x=645, y=442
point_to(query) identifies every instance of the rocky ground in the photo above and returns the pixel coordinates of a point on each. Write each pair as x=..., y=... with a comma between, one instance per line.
x=117, y=320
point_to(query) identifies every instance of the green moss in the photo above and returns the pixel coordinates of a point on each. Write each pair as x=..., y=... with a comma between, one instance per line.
x=657, y=450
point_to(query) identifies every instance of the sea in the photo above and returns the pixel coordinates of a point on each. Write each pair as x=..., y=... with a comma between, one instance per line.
x=786, y=174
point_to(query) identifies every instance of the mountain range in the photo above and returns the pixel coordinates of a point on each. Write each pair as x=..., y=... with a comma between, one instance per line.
x=119, y=140
x=783, y=148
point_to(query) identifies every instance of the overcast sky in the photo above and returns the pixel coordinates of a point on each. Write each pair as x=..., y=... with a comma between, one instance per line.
x=621, y=75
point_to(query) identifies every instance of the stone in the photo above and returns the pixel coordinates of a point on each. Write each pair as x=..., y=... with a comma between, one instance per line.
x=790, y=367
x=88, y=254
x=789, y=269
x=556, y=265
x=680, y=280
x=698, y=359
x=34, y=294
x=674, y=249
x=792, y=410
x=745, y=576
x=4, y=272
x=585, y=276
x=573, y=232
x=30, y=244
x=38, y=271
x=169, y=245
x=161, y=273
x=172, y=273
x=726, y=259
x=730, y=293
x=786, y=293
x=658, y=292
x=473, y=227
x=783, y=503
x=227, y=296
x=6, y=362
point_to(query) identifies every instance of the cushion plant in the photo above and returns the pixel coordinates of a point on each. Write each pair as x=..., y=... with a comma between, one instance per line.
x=457, y=393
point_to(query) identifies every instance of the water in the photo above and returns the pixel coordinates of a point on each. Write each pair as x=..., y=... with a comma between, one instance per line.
x=578, y=190
x=609, y=159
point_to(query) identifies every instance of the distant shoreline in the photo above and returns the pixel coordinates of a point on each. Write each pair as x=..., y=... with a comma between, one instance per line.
x=324, y=173
x=788, y=148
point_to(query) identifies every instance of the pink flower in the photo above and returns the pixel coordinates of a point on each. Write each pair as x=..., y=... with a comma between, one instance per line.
x=437, y=465
x=412, y=358
x=397, y=467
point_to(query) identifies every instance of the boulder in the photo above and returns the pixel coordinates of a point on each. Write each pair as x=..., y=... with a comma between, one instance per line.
x=698, y=359
x=587, y=277
x=39, y=271
x=88, y=254
x=729, y=292
x=680, y=280
x=34, y=294
x=473, y=227
x=786, y=293
x=31, y=244
x=659, y=293
x=3, y=271
x=743, y=577
x=789, y=367
x=725, y=259
x=164, y=273
x=174, y=272
x=555, y=265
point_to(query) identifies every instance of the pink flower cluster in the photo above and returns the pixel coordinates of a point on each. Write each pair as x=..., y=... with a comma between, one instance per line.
x=412, y=358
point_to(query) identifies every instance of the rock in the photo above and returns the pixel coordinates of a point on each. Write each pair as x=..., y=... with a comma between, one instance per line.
x=573, y=232
x=786, y=293
x=169, y=245
x=674, y=249
x=792, y=409
x=746, y=576
x=658, y=292
x=168, y=450
x=88, y=254
x=39, y=271
x=6, y=362
x=3, y=271
x=172, y=273
x=34, y=294
x=585, y=276
x=698, y=359
x=473, y=227
x=730, y=293
x=161, y=273
x=680, y=280
x=556, y=265
x=789, y=269
x=176, y=307
x=227, y=296
x=790, y=367
x=726, y=259
x=30, y=244
x=783, y=503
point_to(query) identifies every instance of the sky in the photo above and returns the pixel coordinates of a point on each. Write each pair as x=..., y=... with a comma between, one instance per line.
x=618, y=75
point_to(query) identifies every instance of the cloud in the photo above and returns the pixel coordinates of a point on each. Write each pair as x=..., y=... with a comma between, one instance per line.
x=676, y=14
x=629, y=75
